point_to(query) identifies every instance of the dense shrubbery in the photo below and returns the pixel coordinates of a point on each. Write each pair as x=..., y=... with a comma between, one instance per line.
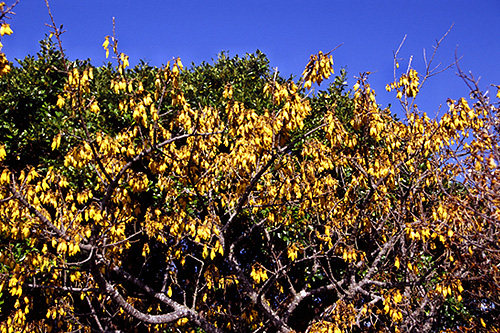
x=226, y=198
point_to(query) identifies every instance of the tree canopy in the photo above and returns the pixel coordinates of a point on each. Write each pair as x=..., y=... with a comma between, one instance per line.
x=226, y=198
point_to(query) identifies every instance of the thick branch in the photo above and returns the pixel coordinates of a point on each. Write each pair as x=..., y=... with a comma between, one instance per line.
x=180, y=311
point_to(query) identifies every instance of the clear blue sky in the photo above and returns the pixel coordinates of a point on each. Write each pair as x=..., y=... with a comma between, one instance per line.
x=288, y=32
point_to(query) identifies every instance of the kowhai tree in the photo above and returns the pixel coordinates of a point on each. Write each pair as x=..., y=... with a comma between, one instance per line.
x=226, y=198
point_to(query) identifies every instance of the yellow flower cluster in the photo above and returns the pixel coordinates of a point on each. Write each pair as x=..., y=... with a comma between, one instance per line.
x=320, y=67
x=292, y=252
x=409, y=82
x=105, y=45
x=339, y=317
x=228, y=92
x=4, y=64
x=77, y=85
x=258, y=274
x=450, y=289
x=352, y=255
x=391, y=301
x=4, y=30
x=293, y=108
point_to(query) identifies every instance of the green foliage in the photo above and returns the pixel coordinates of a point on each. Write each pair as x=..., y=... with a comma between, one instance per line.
x=30, y=118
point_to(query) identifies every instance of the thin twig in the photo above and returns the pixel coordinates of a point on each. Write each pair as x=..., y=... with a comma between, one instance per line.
x=57, y=33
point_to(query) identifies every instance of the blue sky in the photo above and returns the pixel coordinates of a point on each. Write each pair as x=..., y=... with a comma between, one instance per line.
x=288, y=32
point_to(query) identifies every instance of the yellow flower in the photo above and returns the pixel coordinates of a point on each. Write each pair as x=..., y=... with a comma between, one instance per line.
x=2, y=152
x=60, y=101
x=106, y=45
x=5, y=29
x=95, y=107
x=106, y=42
x=56, y=142
x=292, y=252
x=124, y=59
